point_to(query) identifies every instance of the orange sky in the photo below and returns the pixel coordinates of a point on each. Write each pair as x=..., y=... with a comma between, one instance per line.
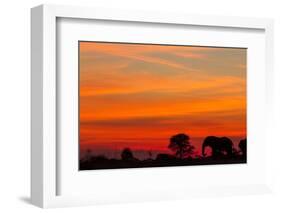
x=138, y=96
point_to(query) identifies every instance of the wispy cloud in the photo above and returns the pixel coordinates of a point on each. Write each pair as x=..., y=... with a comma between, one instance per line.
x=140, y=53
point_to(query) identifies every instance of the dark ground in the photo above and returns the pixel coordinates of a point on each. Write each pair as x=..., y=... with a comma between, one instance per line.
x=104, y=163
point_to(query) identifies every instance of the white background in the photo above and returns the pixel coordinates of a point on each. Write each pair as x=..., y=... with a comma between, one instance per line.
x=15, y=105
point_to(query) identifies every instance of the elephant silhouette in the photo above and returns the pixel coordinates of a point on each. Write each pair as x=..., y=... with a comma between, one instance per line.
x=219, y=146
x=243, y=146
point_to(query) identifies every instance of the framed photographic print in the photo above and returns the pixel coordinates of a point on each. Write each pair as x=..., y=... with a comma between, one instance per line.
x=152, y=105
x=123, y=102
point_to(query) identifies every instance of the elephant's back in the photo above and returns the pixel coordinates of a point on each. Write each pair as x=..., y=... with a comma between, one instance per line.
x=210, y=138
x=227, y=140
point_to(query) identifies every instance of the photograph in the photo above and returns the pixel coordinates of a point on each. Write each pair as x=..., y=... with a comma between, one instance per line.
x=160, y=105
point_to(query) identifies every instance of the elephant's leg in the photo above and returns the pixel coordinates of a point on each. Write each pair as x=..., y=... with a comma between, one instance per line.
x=215, y=153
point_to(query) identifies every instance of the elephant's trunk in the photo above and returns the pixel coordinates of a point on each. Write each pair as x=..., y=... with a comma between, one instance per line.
x=203, y=150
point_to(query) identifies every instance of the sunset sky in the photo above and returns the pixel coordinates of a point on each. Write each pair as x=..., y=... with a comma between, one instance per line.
x=138, y=96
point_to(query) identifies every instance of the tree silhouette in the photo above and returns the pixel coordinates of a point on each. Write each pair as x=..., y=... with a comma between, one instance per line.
x=180, y=145
x=127, y=154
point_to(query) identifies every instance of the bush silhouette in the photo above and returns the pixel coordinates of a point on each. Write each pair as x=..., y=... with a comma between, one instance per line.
x=243, y=146
x=180, y=145
x=164, y=157
x=127, y=154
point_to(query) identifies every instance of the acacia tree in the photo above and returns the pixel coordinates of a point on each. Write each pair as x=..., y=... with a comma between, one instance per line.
x=181, y=145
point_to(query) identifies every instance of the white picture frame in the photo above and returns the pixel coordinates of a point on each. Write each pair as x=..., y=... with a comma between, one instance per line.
x=44, y=149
